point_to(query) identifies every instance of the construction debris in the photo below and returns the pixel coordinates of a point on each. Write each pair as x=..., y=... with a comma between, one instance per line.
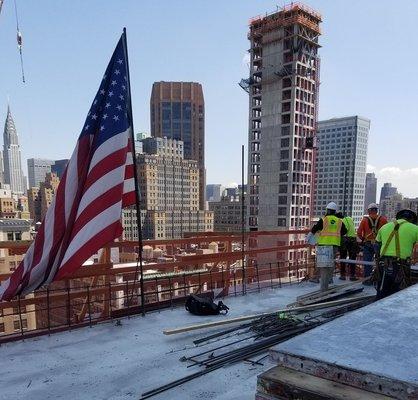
x=251, y=339
x=255, y=316
x=333, y=293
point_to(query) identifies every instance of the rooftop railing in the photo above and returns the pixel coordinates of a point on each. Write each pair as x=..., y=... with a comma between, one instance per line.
x=106, y=290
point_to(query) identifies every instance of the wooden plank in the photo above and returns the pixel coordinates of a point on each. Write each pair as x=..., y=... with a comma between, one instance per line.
x=254, y=316
x=391, y=387
x=332, y=296
x=332, y=289
x=286, y=383
x=263, y=396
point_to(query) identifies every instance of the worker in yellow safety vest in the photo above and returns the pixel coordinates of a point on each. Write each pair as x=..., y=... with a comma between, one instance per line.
x=349, y=247
x=329, y=230
x=396, y=240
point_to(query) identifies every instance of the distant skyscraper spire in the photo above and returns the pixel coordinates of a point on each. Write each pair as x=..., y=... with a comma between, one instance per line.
x=13, y=174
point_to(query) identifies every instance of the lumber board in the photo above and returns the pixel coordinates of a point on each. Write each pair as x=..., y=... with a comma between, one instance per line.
x=263, y=396
x=392, y=388
x=254, y=316
x=332, y=289
x=332, y=296
x=285, y=383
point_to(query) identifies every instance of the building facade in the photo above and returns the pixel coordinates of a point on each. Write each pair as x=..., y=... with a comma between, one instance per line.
x=13, y=174
x=283, y=89
x=178, y=112
x=10, y=322
x=387, y=191
x=58, y=167
x=370, y=190
x=390, y=205
x=37, y=170
x=213, y=192
x=40, y=198
x=227, y=214
x=341, y=165
x=169, y=188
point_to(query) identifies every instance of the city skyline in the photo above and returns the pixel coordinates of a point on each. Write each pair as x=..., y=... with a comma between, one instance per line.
x=57, y=119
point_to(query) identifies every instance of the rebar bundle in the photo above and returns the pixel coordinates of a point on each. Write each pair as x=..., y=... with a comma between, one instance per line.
x=261, y=334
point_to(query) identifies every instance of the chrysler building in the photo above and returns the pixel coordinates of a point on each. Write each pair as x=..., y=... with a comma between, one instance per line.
x=13, y=174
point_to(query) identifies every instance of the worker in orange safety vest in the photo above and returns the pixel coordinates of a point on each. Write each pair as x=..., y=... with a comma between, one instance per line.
x=367, y=232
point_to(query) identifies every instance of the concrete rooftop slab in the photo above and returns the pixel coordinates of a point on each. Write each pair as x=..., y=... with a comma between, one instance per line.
x=121, y=362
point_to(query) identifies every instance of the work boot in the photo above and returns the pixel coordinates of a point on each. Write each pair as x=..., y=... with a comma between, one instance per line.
x=331, y=281
x=342, y=277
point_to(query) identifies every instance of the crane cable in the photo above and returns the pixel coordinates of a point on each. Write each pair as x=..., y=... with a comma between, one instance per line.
x=19, y=42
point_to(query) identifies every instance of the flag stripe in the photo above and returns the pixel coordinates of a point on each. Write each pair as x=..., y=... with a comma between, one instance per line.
x=103, y=237
x=102, y=203
x=99, y=187
x=110, y=215
x=108, y=164
x=111, y=145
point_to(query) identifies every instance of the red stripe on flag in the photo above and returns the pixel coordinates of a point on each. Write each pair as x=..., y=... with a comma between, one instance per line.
x=106, y=165
x=59, y=224
x=100, y=204
x=129, y=171
x=14, y=282
x=96, y=242
x=128, y=199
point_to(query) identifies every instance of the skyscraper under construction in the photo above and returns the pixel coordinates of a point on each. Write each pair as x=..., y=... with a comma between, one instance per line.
x=283, y=104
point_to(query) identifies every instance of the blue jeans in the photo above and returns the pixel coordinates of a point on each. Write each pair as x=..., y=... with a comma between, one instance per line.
x=370, y=250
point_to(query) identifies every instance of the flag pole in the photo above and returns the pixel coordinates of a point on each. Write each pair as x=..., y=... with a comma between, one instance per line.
x=139, y=263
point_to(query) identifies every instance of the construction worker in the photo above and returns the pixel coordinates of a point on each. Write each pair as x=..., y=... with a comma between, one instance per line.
x=348, y=247
x=396, y=241
x=329, y=228
x=366, y=233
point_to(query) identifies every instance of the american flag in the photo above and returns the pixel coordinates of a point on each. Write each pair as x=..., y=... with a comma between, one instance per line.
x=98, y=181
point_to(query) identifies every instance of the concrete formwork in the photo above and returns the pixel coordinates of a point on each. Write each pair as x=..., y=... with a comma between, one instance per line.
x=373, y=348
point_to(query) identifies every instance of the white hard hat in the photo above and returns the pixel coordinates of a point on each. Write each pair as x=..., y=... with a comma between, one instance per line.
x=332, y=206
x=372, y=205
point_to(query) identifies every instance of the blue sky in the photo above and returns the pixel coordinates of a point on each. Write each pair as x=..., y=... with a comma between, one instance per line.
x=369, y=67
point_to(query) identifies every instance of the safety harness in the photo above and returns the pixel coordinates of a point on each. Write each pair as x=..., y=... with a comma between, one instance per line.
x=394, y=233
x=374, y=226
x=388, y=264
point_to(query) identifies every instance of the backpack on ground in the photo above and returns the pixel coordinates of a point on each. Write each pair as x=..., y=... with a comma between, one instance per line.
x=203, y=306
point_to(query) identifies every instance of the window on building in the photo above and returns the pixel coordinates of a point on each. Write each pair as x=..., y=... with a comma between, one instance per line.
x=286, y=119
x=282, y=200
x=285, y=130
x=283, y=177
x=281, y=211
x=281, y=222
